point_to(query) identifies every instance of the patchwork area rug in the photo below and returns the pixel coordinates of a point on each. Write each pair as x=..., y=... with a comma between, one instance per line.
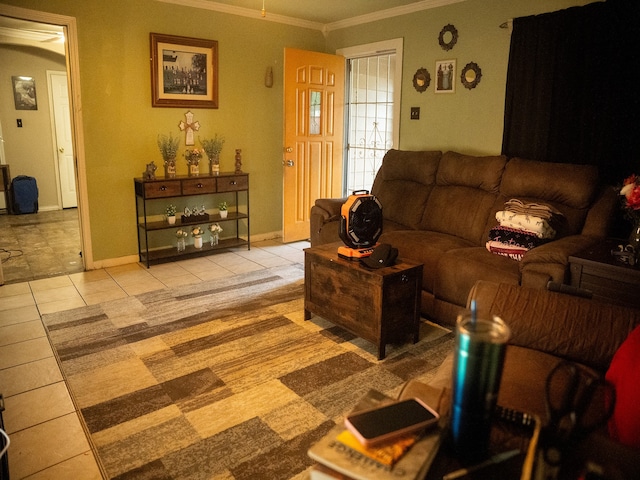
x=222, y=380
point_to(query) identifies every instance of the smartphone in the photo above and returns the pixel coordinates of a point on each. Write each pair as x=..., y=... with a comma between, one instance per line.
x=385, y=423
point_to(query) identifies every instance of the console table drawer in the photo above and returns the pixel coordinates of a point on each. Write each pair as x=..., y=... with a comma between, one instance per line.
x=233, y=183
x=162, y=189
x=198, y=185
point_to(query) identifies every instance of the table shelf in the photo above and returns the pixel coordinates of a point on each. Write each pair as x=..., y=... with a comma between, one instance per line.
x=155, y=245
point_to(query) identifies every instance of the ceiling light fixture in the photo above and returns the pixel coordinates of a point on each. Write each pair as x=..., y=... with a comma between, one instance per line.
x=263, y=12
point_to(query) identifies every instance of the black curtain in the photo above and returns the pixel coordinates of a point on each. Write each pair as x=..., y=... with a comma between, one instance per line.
x=573, y=87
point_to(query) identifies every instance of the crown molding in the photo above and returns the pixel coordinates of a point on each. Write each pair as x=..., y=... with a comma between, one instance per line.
x=298, y=22
x=246, y=12
x=388, y=13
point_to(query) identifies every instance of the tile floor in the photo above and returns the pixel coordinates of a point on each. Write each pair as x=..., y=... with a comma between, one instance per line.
x=40, y=245
x=47, y=438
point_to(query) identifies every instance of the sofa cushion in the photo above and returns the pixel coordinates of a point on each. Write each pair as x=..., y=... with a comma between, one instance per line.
x=465, y=192
x=573, y=328
x=423, y=247
x=405, y=173
x=569, y=188
x=459, y=269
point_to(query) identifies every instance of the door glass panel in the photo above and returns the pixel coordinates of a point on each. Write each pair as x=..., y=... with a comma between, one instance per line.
x=370, y=118
x=315, y=104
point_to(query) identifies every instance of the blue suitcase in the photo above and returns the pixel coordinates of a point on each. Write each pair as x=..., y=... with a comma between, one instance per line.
x=24, y=191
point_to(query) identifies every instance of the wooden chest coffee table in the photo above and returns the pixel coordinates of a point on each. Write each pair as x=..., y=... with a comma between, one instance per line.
x=381, y=306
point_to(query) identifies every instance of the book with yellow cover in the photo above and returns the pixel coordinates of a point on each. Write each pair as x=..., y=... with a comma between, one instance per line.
x=387, y=454
x=351, y=462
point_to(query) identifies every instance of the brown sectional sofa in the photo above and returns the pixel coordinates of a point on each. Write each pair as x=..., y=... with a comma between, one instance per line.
x=546, y=328
x=438, y=210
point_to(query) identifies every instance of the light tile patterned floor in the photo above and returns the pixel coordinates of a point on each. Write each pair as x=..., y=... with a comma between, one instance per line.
x=47, y=439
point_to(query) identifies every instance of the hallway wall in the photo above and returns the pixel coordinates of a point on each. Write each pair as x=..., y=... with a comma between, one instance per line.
x=29, y=150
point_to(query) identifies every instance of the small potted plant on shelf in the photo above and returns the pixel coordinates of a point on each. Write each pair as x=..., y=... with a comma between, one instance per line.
x=196, y=233
x=213, y=147
x=215, y=230
x=222, y=206
x=168, y=149
x=171, y=214
x=193, y=157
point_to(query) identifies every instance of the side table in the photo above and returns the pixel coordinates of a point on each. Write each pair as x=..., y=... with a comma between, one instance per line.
x=381, y=306
x=597, y=270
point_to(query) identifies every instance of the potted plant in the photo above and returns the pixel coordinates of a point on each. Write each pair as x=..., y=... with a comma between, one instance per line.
x=215, y=230
x=171, y=213
x=193, y=157
x=168, y=149
x=213, y=147
x=196, y=233
x=222, y=206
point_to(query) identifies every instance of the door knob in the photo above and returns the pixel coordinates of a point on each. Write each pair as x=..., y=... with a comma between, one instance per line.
x=290, y=163
x=288, y=149
x=61, y=149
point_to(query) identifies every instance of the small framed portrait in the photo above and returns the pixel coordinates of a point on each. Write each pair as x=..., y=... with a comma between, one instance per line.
x=24, y=93
x=446, y=76
x=184, y=72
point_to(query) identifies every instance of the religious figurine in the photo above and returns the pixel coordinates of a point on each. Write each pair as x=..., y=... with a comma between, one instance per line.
x=150, y=172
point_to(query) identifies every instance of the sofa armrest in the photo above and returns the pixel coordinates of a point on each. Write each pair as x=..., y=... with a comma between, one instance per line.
x=575, y=328
x=601, y=214
x=328, y=208
x=549, y=262
x=324, y=220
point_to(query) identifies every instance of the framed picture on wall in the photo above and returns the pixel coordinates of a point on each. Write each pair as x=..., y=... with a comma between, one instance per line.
x=446, y=76
x=24, y=93
x=184, y=72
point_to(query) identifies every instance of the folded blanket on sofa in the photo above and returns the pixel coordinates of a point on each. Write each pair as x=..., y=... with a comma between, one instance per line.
x=515, y=237
x=516, y=253
x=541, y=210
x=534, y=225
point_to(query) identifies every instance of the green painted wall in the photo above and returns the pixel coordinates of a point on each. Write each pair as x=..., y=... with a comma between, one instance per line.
x=469, y=121
x=121, y=126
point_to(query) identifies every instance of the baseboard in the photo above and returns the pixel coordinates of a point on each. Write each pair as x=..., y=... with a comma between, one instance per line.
x=116, y=262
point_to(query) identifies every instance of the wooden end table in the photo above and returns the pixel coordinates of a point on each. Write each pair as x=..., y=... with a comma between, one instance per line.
x=597, y=270
x=381, y=306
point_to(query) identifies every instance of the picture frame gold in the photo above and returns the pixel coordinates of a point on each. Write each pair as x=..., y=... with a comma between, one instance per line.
x=184, y=72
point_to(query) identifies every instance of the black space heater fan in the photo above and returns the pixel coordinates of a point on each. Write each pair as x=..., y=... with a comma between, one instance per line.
x=360, y=225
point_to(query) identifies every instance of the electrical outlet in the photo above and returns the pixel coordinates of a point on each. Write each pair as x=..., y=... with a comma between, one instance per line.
x=415, y=113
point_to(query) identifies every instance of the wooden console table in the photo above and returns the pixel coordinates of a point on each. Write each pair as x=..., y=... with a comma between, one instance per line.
x=381, y=306
x=597, y=270
x=156, y=238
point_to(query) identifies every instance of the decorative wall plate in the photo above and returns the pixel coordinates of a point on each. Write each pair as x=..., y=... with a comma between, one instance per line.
x=448, y=37
x=421, y=80
x=471, y=75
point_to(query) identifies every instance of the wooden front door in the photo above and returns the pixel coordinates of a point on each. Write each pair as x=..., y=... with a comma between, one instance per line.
x=313, y=124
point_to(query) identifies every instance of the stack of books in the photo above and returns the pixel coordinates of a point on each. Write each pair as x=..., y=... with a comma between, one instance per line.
x=341, y=456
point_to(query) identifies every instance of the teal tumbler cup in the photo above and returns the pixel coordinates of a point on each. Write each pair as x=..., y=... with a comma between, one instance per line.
x=477, y=370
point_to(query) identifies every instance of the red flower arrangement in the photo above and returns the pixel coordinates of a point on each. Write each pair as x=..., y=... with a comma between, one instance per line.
x=631, y=191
